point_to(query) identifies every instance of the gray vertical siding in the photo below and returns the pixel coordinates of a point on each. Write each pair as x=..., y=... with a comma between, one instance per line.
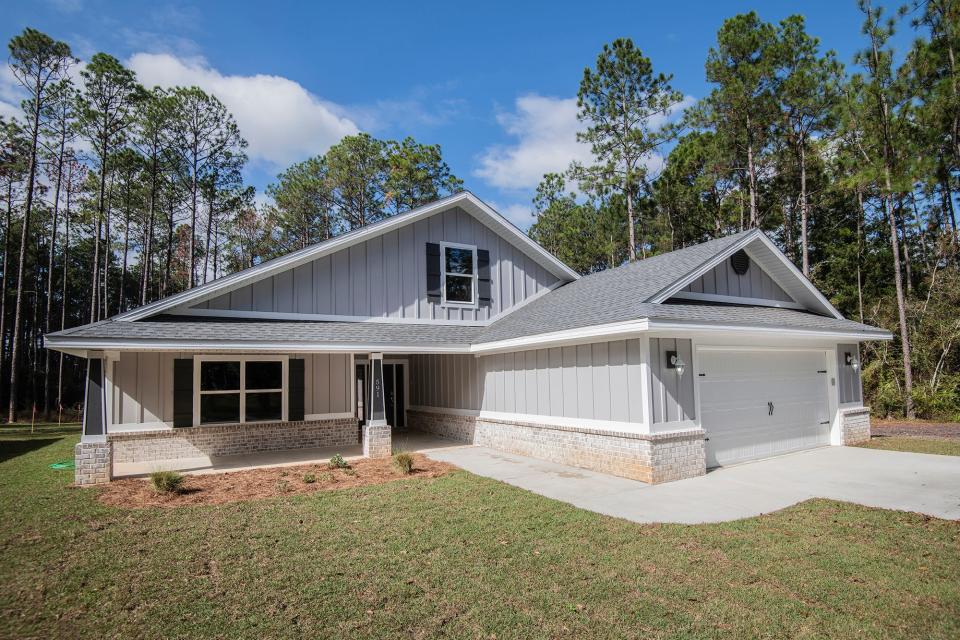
x=386, y=276
x=671, y=396
x=723, y=280
x=599, y=381
x=850, y=387
x=143, y=384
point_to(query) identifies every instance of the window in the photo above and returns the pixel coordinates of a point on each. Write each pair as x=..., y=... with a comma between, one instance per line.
x=459, y=271
x=240, y=389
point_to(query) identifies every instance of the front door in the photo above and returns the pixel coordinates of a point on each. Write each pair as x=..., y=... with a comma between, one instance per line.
x=395, y=392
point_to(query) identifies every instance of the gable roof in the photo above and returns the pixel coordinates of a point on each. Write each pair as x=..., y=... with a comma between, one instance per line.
x=466, y=200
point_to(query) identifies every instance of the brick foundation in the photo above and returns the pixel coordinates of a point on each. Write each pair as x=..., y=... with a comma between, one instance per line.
x=855, y=425
x=377, y=441
x=234, y=439
x=654, y=458
x=94, y=463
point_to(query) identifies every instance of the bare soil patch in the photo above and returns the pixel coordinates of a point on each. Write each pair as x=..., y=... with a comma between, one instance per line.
x=255, y=484
x=916, y=429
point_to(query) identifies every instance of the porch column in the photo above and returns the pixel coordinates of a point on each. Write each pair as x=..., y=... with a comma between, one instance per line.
x=93, y=455
x=376, y=432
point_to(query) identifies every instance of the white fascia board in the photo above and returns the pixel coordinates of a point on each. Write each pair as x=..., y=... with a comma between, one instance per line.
x=620, y=330
x=592, y=333
x=690, y=327
x=799, y=276
x=669, y=291
x=297, y=258
x=252, y=347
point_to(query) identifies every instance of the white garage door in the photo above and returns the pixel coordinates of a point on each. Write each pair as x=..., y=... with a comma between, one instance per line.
x=756, y=404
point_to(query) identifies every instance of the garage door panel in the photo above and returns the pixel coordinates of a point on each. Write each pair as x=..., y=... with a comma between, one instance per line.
x=735, y=389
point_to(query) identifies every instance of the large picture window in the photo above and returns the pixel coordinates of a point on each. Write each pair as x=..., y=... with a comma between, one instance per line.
x=459, y=272
x=240, y=389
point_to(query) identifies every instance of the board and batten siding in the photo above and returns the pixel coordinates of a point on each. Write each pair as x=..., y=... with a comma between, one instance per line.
x=143, y=386
x=385, y=277
x=850, y=386
x=724, y=281
x=671, y=396
x=599, y=381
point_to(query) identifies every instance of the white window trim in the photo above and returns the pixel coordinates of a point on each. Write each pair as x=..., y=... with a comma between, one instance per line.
x=443, y=276
x=243, y=391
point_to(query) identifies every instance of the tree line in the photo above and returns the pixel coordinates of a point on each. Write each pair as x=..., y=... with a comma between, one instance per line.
x=852, y=170
x=115, y=195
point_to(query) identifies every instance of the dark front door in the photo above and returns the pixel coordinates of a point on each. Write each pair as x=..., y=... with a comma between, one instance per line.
x=394, y=388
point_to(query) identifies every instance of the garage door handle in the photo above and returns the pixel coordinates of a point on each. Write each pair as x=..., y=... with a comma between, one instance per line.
x=769, y=408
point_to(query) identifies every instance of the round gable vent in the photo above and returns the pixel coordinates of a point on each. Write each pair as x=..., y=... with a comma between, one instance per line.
x=740, y=262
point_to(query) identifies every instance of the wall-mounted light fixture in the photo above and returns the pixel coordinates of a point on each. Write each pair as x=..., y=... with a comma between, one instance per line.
x=674, y=361
x=851, y=361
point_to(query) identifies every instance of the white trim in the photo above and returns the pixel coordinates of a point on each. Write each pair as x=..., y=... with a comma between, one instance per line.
x=248, y=347
x=585, y=334
x=757, y=302
x=749, y=238
x=559, y=421
x=467, y=200
x=136, y=427
x=243, y=359
x=321, y=317
x=684, y=327
x=453, y=304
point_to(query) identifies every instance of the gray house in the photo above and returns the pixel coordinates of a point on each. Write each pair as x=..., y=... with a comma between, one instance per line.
x=448, y=319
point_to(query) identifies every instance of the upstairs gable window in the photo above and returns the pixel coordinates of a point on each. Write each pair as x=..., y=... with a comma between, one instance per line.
x=459, y=274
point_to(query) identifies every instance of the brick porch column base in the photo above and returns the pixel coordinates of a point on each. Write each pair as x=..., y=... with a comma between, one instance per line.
x=377, y=441
x=94, y=463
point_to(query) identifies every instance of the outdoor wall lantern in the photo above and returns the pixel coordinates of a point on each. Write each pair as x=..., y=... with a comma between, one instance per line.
x=851, y=361
x=674, y=361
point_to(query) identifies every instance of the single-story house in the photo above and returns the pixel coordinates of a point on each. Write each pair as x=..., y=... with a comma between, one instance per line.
x=449, y=319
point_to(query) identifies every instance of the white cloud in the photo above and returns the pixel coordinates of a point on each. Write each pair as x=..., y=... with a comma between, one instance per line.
x=282, y=121
x=546, y=131
x=519, y=214
x=11, y=93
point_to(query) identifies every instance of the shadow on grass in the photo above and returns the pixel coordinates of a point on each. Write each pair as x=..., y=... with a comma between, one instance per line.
x=12, y=448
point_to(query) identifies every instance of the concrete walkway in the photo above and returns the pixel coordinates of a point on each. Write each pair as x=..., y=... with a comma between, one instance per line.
x=928, y=484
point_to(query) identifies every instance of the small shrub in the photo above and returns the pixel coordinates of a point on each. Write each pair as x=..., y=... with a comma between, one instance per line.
x=337, y=462
x=350, y=472
x=403, y=462
x=327, y=477
x=166, y=481
x=283, y=486
x=309, y=478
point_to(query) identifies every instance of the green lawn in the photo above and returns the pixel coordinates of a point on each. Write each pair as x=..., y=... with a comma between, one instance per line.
x=916, y=445
x=460, y=556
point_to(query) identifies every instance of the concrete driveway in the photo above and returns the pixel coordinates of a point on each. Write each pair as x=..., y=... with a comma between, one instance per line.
x=928, y=484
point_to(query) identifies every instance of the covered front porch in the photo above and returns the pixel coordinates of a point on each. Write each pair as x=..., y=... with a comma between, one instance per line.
x=406, y=440
x=216, y=412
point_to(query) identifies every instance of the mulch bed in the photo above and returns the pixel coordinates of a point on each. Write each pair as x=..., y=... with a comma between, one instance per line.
x=254, y=484
x=916, y=429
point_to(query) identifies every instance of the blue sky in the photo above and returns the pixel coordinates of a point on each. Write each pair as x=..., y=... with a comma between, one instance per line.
x=494, y=83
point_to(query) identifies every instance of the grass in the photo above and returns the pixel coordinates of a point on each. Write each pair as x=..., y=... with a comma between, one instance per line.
x=916, y=445
x=17, y=430
x=459, y=556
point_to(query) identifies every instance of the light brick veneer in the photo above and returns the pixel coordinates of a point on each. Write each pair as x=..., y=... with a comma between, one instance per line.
x=233, y=439
x=377, y=441
x=94, y=463
x=654, y=458
x=855, y=425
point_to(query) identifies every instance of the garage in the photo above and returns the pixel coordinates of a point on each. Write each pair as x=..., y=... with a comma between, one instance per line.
x=757, y=403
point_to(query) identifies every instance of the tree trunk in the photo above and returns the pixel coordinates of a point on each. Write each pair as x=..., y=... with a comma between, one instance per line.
x=107, y=248
x=146, y=259
x=901, y=303
x=101, y=197
x=860, y=217
x=168, y=259
x=63, y=291
x=22, y=260
x=804, y=212
x=751, y=170
x=902, y=231
x=49, y=290
x=630, y=223
x=206, y=254
x=193, y=221
x=121, y=303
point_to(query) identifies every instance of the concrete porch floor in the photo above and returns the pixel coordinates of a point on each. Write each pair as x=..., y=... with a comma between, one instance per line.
x=406, y=440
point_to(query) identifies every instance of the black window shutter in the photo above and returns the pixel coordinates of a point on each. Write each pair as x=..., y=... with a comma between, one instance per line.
x=295, y=393
x=433, y=270
x=183, y=392
x=483, y=275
